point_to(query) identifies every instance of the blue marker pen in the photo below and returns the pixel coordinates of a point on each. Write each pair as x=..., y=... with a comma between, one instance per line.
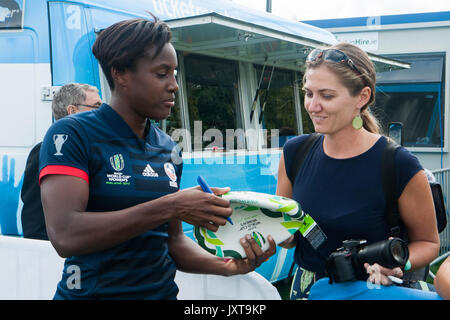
x=206, y=188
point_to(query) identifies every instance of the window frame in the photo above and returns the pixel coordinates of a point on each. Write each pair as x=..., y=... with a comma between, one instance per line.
x=443, y=95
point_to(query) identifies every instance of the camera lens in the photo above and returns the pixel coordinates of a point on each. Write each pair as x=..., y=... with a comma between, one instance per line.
x=388, y=253
x=399, y=251
x=347, y=263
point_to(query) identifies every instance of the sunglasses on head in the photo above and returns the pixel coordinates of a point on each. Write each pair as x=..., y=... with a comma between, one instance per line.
x=332, y=55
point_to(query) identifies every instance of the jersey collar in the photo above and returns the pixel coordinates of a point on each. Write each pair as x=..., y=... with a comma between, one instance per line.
x=119, y=125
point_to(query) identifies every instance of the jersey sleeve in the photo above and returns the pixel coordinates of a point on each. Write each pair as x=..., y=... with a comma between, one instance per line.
x=407, y=166
x=64, y=150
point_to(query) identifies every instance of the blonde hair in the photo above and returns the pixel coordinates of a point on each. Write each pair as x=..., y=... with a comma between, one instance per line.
x=353, y=80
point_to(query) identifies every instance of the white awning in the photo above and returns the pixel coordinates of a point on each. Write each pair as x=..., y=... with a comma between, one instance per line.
x=221, y=36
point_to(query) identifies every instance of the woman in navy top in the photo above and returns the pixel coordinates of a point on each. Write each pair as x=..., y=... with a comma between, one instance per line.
x=110, y=183
x=339, y=184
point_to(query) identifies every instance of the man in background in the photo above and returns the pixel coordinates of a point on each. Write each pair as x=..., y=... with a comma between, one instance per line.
x=69, y=99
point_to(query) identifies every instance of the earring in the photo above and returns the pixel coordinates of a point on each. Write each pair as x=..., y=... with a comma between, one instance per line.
x=357, y=122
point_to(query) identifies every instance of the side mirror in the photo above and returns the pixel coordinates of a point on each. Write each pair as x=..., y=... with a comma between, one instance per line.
x=396, y=132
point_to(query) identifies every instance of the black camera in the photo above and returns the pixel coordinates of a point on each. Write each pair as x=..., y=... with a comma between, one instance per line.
x=347, y=263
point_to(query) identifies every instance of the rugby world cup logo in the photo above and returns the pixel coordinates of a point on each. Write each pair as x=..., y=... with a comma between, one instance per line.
x=117, y=162
x=170, y=171
x=58, y=140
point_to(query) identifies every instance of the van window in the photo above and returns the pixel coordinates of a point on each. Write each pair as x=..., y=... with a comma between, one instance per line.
x=18, y=75
x=173, y=121
x=11, y=14
x=71, y=45
x=213, y=102
x=279, y=110
x=414, y=97
x=418, y=107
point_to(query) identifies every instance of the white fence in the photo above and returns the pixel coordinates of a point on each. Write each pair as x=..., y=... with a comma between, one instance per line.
x=30, y=269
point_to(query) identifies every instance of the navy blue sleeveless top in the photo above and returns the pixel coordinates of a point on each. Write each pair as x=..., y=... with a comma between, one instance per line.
x=344, y=196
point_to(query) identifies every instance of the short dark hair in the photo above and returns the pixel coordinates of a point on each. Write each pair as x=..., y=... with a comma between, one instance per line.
x=120, y=45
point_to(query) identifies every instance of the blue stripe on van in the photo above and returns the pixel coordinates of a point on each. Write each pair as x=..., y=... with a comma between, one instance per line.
x=383, y=20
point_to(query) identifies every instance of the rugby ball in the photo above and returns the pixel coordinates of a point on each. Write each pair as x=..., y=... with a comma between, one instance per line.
x=256, y=214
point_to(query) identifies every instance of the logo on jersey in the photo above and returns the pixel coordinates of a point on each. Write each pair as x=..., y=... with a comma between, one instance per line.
x=58, y=140
x=117, y=162
x=149, y=172
x=171, y=173
x=117, y=178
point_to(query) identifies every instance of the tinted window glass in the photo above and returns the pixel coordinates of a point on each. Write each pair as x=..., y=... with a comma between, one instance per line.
x=213, y=99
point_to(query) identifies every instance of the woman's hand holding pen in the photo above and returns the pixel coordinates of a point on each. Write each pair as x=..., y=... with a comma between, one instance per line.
x=200, y=208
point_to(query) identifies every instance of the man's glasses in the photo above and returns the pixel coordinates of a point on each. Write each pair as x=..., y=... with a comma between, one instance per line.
x=332, y=55
x=88, y=105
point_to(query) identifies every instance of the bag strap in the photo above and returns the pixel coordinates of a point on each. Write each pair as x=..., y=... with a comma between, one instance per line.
x=390, y=188
x=392, y=215
x=301, y=154
x=439, y=205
